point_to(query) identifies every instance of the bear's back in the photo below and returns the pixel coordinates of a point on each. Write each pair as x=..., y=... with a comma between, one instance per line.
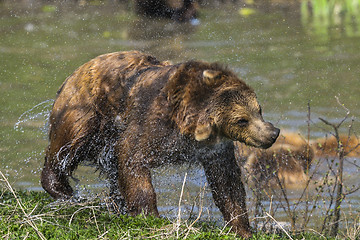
x=103, y=84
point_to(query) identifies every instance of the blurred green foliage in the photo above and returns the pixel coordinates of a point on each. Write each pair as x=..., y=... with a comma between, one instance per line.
x=323, y=16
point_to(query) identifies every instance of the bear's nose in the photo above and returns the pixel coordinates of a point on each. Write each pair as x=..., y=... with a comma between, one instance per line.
x=275, y=133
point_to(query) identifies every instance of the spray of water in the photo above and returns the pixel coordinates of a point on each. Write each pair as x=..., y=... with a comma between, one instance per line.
x=38, y=113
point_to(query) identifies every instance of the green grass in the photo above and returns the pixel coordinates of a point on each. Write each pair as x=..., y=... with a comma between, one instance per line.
x=90, y=220
x=34, y=215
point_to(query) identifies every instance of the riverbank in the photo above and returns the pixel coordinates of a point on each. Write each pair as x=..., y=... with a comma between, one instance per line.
x=34, y=215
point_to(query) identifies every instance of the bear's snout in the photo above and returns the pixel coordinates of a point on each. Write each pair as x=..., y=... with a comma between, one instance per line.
x=274, y=132
x=271, y=133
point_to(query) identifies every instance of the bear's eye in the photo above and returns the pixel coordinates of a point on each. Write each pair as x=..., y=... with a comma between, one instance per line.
x=242, y=122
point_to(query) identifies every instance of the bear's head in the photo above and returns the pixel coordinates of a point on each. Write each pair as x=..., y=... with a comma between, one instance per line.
x=232, y=111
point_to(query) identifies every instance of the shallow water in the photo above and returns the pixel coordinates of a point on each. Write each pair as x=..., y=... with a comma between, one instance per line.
x=289, y=63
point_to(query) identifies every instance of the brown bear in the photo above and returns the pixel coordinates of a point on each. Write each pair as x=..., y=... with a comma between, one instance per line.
x=287, y=160
x=328, y=146
x=127, y=112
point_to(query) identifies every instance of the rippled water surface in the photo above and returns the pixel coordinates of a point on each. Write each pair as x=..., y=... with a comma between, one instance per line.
x=285, y=60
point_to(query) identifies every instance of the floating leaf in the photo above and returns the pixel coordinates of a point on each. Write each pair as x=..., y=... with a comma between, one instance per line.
x=247, y=12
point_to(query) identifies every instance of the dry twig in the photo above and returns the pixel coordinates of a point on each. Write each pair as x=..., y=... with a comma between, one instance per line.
x=27, y=216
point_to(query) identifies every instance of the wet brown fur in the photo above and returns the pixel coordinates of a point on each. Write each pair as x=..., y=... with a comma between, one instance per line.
x=127, y=112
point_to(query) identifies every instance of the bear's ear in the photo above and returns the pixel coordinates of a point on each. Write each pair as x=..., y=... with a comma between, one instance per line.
x=203, y=131
x=212, y=77
x=204, y=127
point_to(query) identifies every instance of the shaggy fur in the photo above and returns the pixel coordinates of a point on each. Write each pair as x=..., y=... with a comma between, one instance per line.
x=127, y=113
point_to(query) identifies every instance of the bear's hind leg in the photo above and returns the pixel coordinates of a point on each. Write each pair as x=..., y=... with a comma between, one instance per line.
x=56, y=183
x=55, y=175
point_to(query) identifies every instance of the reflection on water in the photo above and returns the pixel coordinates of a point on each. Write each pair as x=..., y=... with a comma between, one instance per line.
x=277, y=53
x=327, y=18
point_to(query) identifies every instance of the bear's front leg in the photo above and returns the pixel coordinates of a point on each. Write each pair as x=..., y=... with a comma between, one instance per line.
x=224, y=177
x=136, y=187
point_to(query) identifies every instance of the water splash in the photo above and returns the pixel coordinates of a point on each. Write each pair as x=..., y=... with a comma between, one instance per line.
x=38, y=113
